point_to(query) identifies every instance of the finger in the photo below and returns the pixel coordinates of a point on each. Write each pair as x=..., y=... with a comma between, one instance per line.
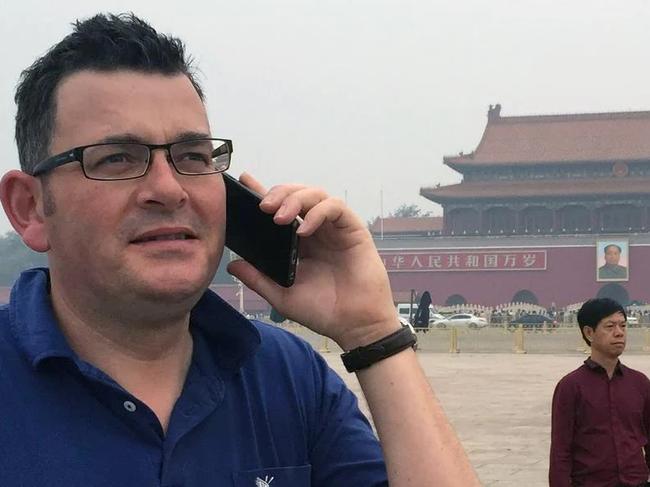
x=250, y=182
x=271, y=200
x=298, y=203
x=274, y=198
x=333, y=211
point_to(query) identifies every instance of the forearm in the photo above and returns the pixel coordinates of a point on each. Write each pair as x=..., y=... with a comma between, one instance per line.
x=419, y=444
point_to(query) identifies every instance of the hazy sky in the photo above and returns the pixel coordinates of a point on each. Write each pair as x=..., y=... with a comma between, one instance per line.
x=364, y=96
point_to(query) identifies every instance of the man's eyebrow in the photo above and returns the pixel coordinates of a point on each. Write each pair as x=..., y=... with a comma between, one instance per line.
x=125, y=137
x=130, y=138
x=190, y=136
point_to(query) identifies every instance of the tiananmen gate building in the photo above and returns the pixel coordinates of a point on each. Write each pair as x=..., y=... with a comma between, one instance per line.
x=551, y=209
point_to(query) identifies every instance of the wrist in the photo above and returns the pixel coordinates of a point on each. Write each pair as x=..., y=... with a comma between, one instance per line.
x=361, y=336
x=363, y=357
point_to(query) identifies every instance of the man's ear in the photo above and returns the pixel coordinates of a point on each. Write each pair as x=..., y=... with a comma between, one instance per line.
x=589, y=332
x=21, y=197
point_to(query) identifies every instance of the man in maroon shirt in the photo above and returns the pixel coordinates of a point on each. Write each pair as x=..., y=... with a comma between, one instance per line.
x=601, y=411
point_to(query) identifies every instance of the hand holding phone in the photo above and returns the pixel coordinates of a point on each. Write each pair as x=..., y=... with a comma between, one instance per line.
x=254, y=236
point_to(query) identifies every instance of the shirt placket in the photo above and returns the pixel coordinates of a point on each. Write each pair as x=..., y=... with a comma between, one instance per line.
x=199, y=399
x=615, y=423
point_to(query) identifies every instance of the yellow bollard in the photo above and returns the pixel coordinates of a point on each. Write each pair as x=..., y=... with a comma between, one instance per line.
x=519, y=340
x=453, y=340
x=325, y=346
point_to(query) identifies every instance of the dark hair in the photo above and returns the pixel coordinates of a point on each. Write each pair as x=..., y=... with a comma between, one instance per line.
x=612, y=245
x=594, y=310
x=102, y=43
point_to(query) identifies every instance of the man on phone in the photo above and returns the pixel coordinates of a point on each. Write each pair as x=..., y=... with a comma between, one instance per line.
x=119, y=367
x=601, y=411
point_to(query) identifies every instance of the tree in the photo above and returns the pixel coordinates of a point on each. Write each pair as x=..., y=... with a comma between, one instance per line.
x=16, y=257
x=408, y=211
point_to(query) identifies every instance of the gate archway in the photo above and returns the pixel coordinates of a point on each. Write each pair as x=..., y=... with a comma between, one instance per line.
x=616, y=292
x=525, y=296
x=455, y=299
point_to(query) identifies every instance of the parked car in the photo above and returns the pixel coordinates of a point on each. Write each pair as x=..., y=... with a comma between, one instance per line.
x=404, y=310
x=533, y=320
x=468, y=320
x=433, y=317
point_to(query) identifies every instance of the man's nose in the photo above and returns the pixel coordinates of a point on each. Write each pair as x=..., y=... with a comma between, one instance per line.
x=161, y=186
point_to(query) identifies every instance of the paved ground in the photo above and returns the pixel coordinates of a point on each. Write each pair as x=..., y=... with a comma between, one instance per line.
x=499, y=404
x=499, y=401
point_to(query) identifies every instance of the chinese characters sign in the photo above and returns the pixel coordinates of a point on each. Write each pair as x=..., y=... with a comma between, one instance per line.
x=464, y=260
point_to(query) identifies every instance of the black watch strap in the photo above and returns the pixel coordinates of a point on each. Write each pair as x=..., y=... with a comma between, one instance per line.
x=363, y=357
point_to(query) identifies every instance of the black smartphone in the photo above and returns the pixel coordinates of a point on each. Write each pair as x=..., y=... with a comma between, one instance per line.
x=256, y=238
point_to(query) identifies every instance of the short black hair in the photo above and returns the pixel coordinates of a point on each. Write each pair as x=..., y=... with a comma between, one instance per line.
x=105, y=43
x=594, y=310
x=612, y=245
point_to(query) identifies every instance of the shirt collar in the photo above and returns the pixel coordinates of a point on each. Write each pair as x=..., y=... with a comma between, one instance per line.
x=232, y=338
x=596, y=367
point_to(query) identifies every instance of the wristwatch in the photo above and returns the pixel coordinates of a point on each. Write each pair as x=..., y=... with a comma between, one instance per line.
x=363, y=357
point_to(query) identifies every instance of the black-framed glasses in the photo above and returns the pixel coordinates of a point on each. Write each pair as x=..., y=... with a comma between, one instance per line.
x=128, y=160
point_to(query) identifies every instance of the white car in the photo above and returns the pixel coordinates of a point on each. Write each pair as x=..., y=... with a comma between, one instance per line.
x=463, y=320
x=433, y=317
x=404, y=310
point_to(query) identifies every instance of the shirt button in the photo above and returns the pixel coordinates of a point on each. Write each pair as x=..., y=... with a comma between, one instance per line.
x=129, y=406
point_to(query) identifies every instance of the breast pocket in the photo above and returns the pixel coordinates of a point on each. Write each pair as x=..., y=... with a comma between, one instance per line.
x=274, y=477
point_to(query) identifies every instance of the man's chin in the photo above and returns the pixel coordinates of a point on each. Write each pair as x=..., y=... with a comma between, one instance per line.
x=172, y=295
x=618, y=349
x=171, y=289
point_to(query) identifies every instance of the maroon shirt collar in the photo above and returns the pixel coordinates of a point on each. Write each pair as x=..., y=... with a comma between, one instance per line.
x=596, y=367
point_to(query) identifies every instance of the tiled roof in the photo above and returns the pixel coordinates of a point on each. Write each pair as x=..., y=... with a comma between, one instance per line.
x=547, y=188
x=421, y=224
x=617, y=136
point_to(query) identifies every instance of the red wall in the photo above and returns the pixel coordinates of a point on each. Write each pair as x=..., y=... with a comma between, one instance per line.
x=570, y=277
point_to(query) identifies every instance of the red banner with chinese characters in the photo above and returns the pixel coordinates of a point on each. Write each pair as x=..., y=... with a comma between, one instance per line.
x=463, y=260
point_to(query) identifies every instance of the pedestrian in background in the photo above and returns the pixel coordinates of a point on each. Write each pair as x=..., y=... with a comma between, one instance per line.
x=601, y=411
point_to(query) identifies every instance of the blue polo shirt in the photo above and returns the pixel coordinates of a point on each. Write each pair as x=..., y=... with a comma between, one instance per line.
x=259, y=408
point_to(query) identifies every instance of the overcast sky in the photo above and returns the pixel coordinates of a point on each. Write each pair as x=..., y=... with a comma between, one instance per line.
x=365, y=97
